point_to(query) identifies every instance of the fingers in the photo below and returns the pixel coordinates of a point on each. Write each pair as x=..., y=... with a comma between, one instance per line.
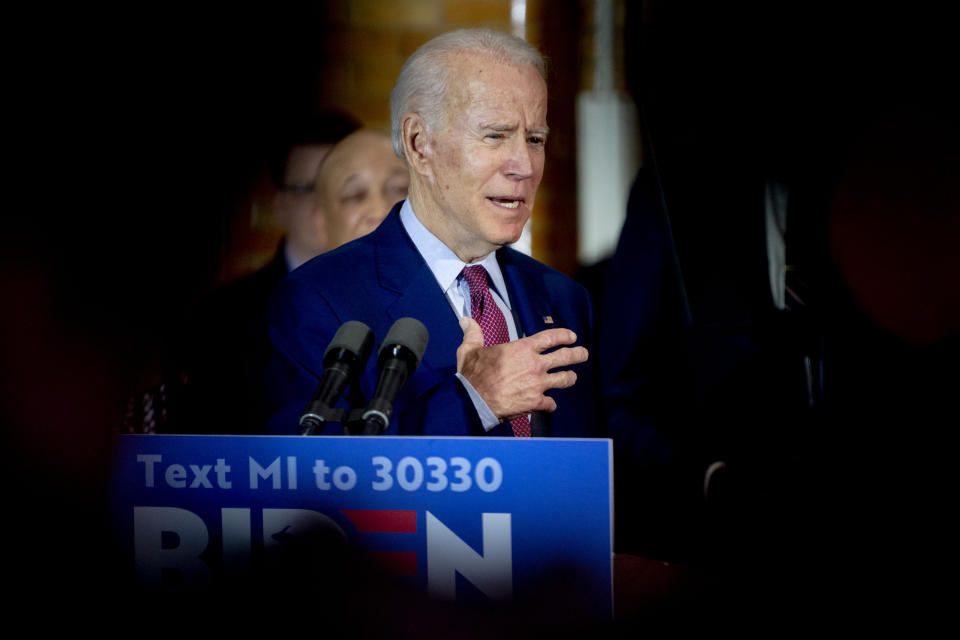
x=561, y=380
x=549, y=338
x=549, y=405
x=564, y=357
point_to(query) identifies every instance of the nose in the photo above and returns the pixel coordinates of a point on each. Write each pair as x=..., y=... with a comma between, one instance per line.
x=519, y=164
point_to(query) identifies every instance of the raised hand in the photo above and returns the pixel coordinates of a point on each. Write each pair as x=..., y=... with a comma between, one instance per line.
x=513, y=377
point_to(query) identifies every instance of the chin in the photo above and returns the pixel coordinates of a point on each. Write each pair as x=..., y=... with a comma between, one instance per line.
x=510, y=238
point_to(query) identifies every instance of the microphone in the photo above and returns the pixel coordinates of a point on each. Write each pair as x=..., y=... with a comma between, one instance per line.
x=345, y=358
x=398, y=358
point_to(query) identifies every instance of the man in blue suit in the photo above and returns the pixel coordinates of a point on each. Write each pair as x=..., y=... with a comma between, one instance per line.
x=506, y=352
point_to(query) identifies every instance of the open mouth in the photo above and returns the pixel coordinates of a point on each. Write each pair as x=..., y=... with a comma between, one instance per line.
x=506, y=203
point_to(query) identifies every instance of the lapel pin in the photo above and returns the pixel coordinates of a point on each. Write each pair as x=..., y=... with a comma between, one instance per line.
x=548, y=319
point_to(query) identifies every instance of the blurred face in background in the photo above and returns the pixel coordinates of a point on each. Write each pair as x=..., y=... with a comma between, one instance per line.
x=357, y=184
x=306, y=233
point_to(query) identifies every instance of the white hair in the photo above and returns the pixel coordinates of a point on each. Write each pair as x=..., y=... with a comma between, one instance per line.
x=422, y=82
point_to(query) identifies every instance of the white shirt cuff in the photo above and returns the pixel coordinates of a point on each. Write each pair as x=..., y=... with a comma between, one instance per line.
x=487, y=418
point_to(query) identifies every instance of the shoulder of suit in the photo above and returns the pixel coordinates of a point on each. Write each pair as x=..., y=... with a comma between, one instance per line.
x=343, y=260
x=533, y=266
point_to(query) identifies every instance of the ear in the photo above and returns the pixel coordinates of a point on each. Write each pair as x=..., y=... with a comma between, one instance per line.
x=416, y=143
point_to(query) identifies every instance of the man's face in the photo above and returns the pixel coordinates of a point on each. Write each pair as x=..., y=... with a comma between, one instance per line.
x=486, y=159
x=358, y=184
x=294, y=204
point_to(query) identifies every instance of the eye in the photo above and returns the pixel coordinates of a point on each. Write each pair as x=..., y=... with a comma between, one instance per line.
x=537, y=140
x=353, y=197
x=396, y=188
x=494, y=136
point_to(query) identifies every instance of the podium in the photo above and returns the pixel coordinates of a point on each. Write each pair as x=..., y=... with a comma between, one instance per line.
x=456, y=519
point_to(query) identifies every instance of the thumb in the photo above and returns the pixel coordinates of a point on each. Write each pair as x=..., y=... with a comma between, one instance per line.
x=472, y=340
x=472, y=333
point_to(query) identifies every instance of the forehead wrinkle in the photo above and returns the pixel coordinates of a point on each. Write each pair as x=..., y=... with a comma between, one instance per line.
x=503, y=113
x=469, y=92
x=473, y=85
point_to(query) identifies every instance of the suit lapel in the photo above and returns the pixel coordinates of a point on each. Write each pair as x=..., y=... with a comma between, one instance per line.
x=401, y=269
x=528, y=302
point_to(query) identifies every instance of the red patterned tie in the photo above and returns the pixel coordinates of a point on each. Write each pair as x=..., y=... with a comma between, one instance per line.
x=488, y=315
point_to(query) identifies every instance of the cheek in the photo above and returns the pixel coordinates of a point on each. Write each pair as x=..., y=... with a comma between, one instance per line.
x=539, y=160
x=304, y=210
x=450, y=171
x=337, y=219
x=357, y=213
x=478, y=165
x=484, y=168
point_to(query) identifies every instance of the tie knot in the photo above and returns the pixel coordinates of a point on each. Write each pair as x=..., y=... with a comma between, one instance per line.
x=476, y=277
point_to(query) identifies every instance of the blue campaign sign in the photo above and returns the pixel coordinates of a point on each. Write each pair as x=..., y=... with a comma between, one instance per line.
x=452, y=516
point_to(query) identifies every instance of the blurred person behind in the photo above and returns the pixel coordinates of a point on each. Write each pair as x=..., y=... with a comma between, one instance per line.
x=293, y=164
x=217, y=370
x=357, y=185
x=293, y=169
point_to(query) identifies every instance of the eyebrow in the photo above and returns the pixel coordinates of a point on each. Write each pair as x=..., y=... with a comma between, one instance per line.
x=512, y=127
x=352, y=178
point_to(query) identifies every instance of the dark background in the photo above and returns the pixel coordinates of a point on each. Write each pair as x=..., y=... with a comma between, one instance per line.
x=136, y=130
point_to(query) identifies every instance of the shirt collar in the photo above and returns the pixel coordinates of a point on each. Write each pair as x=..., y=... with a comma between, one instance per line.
x=442, y=261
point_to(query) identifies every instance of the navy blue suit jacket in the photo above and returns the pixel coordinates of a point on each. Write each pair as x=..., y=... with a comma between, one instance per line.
x=382, y=277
